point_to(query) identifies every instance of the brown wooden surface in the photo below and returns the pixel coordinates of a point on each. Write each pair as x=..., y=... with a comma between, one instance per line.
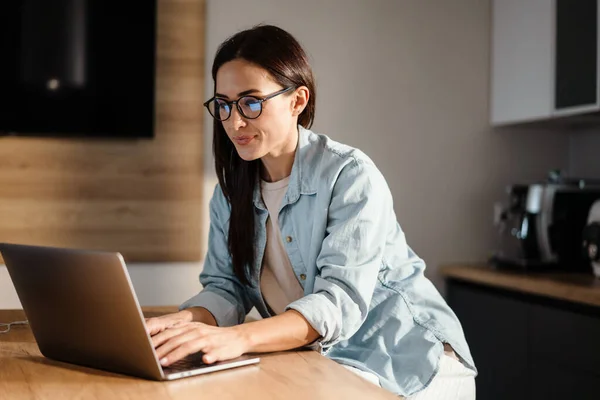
x=140, y=197
x=577, y=288
x=25, y=374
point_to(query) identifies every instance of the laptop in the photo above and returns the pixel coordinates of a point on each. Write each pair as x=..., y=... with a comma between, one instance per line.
x=83, y=310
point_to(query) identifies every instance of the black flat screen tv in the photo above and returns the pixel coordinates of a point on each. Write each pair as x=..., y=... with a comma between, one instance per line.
x=77, y=68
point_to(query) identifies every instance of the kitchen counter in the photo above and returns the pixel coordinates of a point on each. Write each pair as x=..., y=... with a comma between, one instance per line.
x=572, y=287
x=532, y=335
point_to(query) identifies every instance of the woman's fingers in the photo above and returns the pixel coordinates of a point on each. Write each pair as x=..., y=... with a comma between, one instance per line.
x=179, y=353
x=214, y=354
x=179, y=347
x=159, y=324
x=166, y=341
x=162, y=337
x=176, y=343
x=154, y=326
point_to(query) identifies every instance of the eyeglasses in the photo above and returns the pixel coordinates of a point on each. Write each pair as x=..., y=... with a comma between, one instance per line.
x=248, y=106
x=5, y=327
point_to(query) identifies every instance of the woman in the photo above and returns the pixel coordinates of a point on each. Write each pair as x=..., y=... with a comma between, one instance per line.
x=303, y=228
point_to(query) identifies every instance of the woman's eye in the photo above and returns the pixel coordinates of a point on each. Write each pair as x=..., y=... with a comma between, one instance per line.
x=221, y=104
x=252, y=103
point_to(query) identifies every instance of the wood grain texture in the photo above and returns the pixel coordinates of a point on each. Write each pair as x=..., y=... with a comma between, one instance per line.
x=140, y=197
x=25, y=374
x=576, y=288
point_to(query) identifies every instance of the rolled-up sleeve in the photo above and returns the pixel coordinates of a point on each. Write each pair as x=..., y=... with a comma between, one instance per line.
x=360, y=213
x=222, y=294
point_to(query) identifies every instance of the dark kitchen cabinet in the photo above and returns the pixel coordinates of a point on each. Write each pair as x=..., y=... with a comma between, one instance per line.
x=527, y=346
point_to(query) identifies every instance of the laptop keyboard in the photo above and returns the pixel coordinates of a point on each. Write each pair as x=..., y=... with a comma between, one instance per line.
x=186, y=364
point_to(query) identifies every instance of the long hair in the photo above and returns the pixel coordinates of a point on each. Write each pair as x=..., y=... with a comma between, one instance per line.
x=281, y=55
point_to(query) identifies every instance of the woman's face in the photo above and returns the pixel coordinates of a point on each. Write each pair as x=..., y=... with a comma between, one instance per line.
x=274, y=132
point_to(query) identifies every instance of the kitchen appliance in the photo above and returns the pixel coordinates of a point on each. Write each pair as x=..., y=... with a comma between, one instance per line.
x=591, y=238
x=541, y=226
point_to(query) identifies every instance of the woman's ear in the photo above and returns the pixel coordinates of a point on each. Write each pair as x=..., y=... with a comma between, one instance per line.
x=300, y=100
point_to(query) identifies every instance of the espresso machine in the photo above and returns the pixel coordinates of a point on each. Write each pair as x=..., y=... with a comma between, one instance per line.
x=591, y=238
x=540, y=226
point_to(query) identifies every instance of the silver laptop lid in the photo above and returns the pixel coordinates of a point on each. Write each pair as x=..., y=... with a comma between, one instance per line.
x=82, y=308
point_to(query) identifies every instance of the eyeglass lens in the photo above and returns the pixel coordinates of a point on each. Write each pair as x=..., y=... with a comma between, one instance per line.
x=250, y=107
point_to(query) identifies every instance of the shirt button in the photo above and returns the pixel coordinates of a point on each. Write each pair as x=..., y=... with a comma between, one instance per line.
x=303, y=277
x=288, y=239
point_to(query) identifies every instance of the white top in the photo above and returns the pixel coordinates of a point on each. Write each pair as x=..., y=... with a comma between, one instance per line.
x=278, y=284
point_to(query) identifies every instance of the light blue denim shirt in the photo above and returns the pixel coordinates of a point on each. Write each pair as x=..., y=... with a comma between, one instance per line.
x=364, y=288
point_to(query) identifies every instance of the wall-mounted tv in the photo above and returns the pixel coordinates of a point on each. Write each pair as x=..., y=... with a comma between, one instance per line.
x=77, y=68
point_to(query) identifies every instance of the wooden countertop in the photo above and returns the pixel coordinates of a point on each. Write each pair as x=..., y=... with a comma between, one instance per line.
x=573, y=287
x=304, y=374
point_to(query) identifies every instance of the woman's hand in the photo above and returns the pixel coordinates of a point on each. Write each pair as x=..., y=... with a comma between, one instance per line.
x=185, y=338
x=164, y=322
x=176, y=337
x=160, y=324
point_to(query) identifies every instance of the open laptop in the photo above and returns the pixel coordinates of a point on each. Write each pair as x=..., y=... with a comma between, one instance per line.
x=83, y=310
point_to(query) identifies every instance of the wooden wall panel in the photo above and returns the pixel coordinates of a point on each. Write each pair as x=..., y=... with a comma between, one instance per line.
x=140, y=197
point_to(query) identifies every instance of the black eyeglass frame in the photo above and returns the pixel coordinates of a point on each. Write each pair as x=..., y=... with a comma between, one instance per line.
x=260, y=100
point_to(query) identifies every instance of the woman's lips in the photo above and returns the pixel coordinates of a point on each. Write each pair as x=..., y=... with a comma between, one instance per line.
x=243, y=140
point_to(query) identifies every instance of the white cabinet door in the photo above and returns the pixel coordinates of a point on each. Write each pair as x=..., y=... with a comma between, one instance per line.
x=544, y=60
x=522, y=60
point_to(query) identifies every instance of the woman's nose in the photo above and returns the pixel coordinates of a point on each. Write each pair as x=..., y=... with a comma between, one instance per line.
x=236, y=119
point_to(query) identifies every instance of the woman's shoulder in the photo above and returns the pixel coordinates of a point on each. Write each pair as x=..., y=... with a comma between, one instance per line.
x=344, y=165
x=334, y=150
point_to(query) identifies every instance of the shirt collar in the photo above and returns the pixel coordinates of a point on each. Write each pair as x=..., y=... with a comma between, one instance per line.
x=302, y=178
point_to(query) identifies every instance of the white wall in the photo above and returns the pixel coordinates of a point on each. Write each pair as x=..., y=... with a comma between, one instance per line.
x=406, y=81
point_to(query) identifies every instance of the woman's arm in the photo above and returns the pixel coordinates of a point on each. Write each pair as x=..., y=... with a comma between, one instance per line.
x=286, y=331
x=360, y=218
x=222, y=293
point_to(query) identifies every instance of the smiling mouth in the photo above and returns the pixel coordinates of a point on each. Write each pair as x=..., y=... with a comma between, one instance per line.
x=243, y=140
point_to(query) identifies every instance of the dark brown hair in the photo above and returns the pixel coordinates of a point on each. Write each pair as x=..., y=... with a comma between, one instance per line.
x=281, y=55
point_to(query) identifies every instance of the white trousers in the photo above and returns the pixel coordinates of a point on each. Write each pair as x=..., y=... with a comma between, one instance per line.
x=453, y=381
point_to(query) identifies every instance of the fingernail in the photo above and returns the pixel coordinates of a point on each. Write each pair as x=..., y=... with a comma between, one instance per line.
x=163, y=361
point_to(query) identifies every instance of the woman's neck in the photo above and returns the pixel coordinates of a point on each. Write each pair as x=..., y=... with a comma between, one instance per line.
x=276, y=167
